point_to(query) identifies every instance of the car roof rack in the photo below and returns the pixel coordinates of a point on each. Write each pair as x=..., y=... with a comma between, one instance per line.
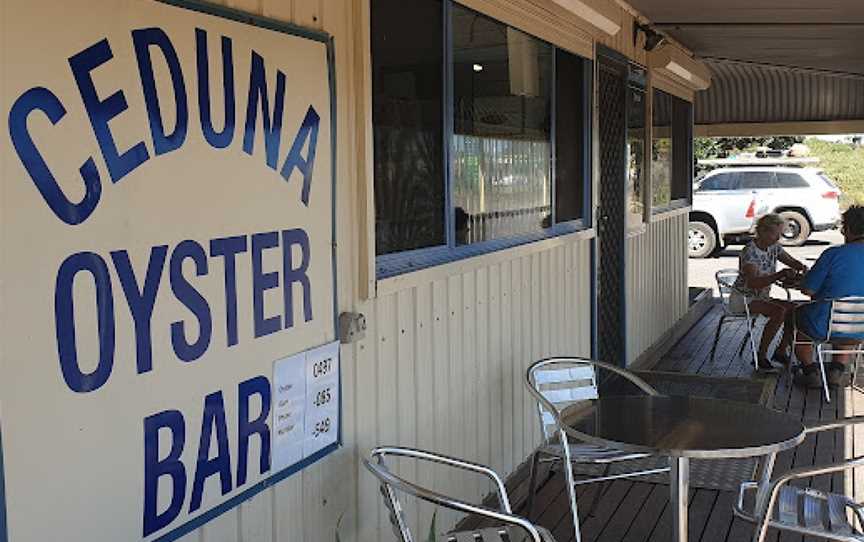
x=753, y=161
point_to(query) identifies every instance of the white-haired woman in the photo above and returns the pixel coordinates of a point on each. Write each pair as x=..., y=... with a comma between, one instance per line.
x=757, y=271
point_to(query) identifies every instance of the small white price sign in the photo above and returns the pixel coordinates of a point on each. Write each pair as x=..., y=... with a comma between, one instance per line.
x=306, y=404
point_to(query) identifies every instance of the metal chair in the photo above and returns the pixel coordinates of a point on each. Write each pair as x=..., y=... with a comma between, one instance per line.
x=726, y=286
x=804, y=510
x=557, y=383
x=845, y=328
x=513, y=528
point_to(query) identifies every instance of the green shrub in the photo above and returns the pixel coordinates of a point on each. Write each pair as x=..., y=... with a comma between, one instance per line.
x=844, y=164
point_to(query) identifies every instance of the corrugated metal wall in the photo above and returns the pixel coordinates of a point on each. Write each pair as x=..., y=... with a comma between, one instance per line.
x=656, y=282
x=442, y=363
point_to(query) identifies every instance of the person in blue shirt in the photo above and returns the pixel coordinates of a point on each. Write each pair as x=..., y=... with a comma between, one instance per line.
x=839, y=272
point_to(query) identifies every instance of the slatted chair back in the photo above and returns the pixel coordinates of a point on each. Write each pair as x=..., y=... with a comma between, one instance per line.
x=725, y=286
x=513, y=528
x=562, y=383
x=556, y=383
x=847, y=318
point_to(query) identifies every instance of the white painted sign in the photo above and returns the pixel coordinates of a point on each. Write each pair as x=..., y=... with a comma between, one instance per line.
x=306, y=405
x=167, y=233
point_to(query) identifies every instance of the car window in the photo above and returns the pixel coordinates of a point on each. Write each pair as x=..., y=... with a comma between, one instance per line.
x=791, y=180
x=753, y=180
x=721, y=181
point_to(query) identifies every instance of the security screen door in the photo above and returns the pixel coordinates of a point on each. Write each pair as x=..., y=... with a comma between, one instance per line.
x=611, y=96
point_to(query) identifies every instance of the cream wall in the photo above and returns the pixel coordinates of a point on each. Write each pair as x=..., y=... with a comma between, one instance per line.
x=656, y=282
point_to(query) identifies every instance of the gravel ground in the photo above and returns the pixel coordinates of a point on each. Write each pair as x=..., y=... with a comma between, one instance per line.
x=701, y=272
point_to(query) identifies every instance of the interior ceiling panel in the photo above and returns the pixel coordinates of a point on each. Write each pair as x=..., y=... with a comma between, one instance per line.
x=771, y=60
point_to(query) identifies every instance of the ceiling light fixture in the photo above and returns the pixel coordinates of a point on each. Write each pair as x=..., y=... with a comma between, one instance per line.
x=478, y=67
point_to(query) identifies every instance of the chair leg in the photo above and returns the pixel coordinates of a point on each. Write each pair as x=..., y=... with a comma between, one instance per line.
x=571, y=488
x=820, y=355
x=604, y=487
x=529, y=506
x=750, y=326
x=744, y=342
x=717, y=336
x=856, y=361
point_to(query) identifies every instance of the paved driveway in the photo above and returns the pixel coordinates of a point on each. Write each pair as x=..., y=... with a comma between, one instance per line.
x=701, y=272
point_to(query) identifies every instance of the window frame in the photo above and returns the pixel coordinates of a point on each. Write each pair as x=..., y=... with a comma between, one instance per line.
x=407, y=261
x=638, y=80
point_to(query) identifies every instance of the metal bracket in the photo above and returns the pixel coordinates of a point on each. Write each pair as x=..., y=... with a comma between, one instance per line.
x=352, y=327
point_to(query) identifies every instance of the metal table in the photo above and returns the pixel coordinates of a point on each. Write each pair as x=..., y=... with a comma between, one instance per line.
x=683, y=428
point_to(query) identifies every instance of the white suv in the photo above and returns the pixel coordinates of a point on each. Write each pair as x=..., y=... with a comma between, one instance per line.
x=805, y=197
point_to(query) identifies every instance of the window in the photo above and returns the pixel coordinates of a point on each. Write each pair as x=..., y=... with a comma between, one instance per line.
x=791, y=180
x=502, y=157
x=661, y=150
x=507, y=167
x=407, y=119
x=636, y=115
x=720, y=181
x=755, y=180
x=671, y=152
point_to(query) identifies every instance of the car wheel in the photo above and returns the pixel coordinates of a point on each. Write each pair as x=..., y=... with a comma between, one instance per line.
x=797, y=229
x=701, y=240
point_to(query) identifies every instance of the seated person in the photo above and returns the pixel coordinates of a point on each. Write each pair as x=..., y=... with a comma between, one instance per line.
x=757, y=271
x=839, y=272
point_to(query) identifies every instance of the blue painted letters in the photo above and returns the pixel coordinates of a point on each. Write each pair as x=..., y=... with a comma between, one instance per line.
x=44, y=100
x=218, y=140
x=102, y=111
x=194, y=301
x=64, y=319
x=143, y=40
x=141, y=300
x=155, y=468
x=259, y=386
x=272, y=125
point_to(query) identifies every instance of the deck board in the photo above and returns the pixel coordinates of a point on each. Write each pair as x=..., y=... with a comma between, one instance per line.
x=638, y=511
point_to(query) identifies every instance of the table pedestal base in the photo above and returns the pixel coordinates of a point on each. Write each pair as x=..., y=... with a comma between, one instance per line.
x=679, y=498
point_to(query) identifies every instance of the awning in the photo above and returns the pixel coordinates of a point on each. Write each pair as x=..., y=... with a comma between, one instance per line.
x=790, y=66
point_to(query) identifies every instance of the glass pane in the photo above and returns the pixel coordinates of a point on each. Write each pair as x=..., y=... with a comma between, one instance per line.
x=682, y=149
x=570, y=178
x=661, y=150
x=720, y=181
x=791, y=180
x=635, y=157
x=752, y=180
x=407, y=119
x=502, y=144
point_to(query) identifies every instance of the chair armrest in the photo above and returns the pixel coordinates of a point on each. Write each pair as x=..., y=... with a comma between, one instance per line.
x=834, y=424
x=389, y=479
x=380, y=452
x=638, y=382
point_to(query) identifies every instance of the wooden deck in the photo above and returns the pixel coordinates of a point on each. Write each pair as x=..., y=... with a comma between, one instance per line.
x=638, y=511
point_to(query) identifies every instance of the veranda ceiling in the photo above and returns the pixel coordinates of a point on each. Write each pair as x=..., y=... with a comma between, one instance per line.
x=772, y=61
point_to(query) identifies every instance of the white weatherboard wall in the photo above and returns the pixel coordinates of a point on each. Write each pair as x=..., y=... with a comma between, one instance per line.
x=656, y=282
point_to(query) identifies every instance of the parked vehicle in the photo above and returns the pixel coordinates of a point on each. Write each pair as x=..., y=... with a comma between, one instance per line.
x=805, y=197
x=716, y=221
